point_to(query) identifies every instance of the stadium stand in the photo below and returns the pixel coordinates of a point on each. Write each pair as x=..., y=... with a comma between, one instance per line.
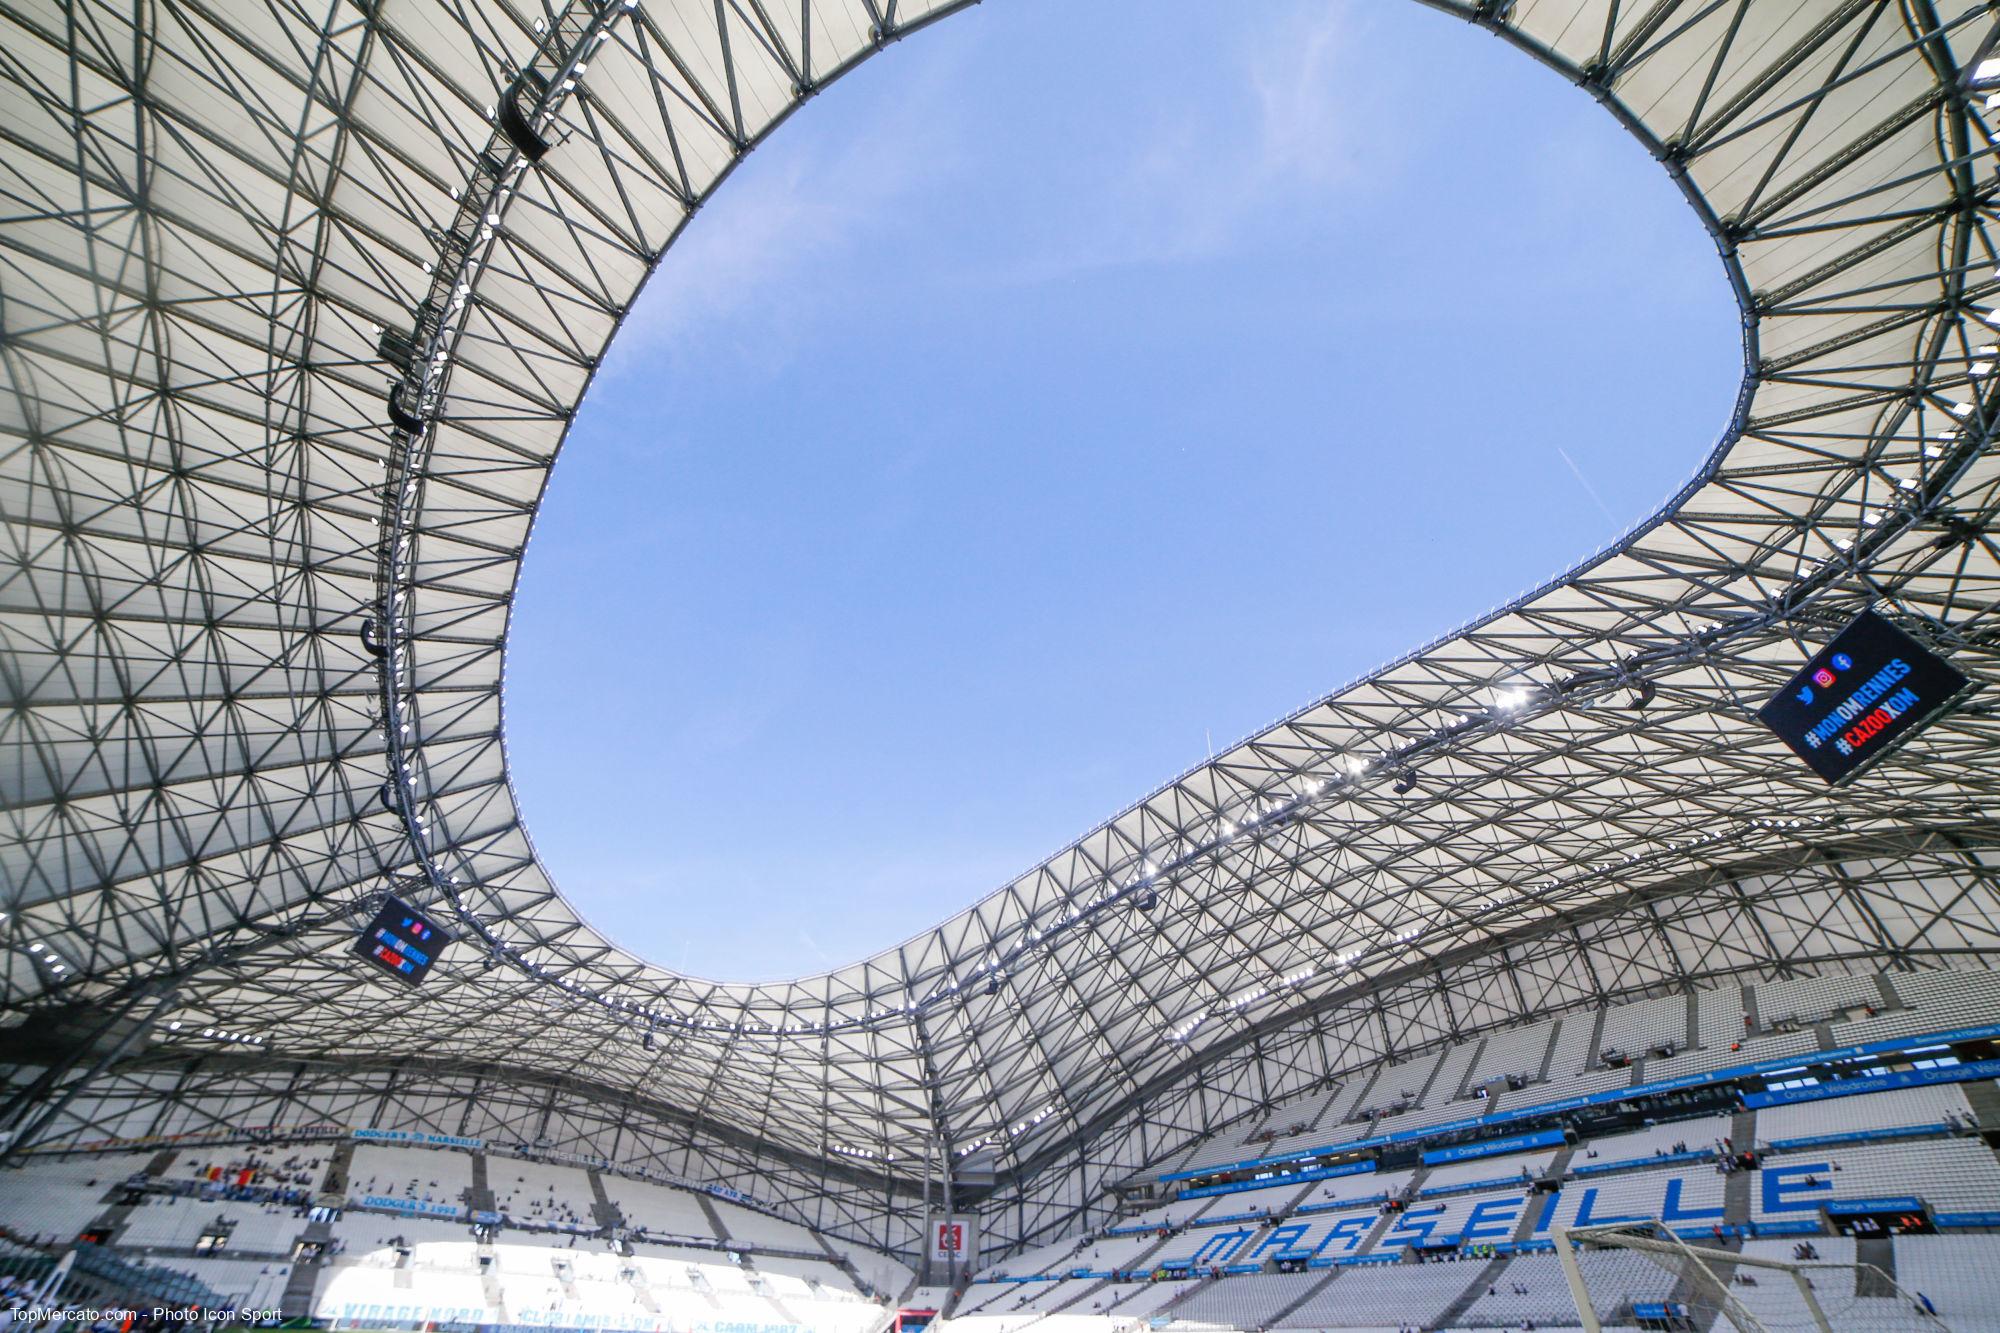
x=1378, y=1295
x=1209, y=1261
x=1931, y=1109
x=1637, y=1031
x=66, y=1194
x=553, y=1259
x=1243, y=1304
x=1516, y=1052
x=1951, y=1175
x=1960, y=1275
x=171, y=1221
x=557, y=1267
x=1887, y=1142
x=1703, y=1135
x=438, y=1178
x=1801, y=1002
x=659, y=1209
x=532, y=1193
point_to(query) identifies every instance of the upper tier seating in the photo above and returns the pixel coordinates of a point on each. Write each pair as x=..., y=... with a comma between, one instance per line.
x=1173, y=1214
x=167, y=1221
x=539, y=1193
x=1482, y=1170
x=1934, y=1001
x=1516, y=1051
x=1113, y=1253
x=57, y=1197
x=1634, y=1029
x=1273, y=1198
x=1953, y=1174
x=440, y=1178
x=1356, y=1189
x=749, y=1227
x=1809, y=1000
x=295, y=1171
x=1700, y=1135
x=657, y=1208
x=1901, y=1108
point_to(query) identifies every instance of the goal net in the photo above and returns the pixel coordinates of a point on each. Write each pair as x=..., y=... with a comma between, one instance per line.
x=1642, y=1276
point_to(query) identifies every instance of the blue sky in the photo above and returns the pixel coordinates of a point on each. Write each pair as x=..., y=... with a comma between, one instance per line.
x=1071, y=389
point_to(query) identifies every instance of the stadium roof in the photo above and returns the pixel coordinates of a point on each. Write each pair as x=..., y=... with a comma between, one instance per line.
x=229, y=231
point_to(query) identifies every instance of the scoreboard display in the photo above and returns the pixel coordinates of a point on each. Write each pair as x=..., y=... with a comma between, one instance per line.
x=1861, y=696
x=402, y=942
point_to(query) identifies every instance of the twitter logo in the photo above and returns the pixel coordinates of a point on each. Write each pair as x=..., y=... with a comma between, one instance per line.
x=1805, y=694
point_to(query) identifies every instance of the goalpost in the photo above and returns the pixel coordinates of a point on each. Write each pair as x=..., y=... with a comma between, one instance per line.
x=1641, y=1275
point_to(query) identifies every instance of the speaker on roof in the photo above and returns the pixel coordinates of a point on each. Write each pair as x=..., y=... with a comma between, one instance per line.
x=401, y=417
x=511, y=123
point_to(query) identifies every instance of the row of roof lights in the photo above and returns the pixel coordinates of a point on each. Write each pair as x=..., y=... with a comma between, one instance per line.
x=843, y=1150
x=46, y=956
x=1012, y=1131
x=221, y=1034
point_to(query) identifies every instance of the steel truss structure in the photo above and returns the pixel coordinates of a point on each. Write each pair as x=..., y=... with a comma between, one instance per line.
x=297, y=301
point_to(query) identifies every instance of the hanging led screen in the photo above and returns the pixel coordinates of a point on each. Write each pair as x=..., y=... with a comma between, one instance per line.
x=1861, y=696
x=402, y=942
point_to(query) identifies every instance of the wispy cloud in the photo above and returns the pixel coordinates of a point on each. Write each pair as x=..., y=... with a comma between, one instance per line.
x=748, y=264
x=1293, y=105
x=1215, y=172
